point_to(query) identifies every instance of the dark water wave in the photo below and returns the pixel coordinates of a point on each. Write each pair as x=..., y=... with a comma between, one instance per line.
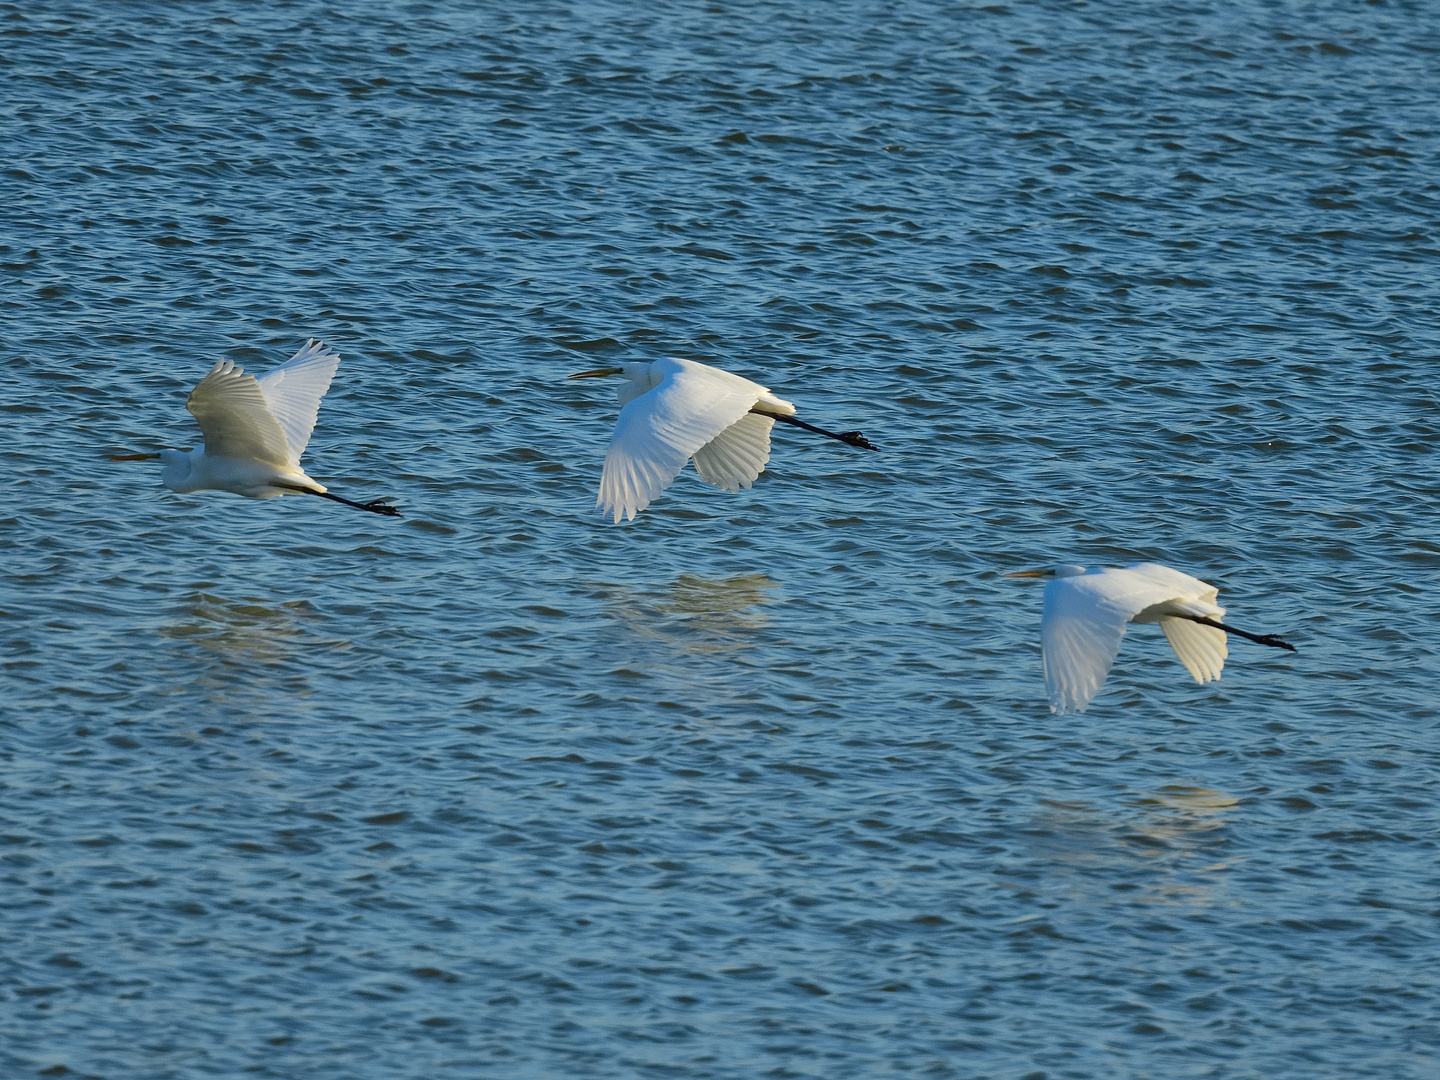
x=760, y=785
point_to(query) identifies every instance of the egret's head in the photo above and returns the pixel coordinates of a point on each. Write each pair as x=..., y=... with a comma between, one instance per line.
x=177, y=468
x=177, y=465
x=639, y=377
x=1063, y=570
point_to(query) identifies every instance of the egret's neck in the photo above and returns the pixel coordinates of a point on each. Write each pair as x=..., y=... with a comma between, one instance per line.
x=179, y=470
x=639, y=378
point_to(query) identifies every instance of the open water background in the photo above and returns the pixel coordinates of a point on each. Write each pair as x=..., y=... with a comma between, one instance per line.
x=758, y=785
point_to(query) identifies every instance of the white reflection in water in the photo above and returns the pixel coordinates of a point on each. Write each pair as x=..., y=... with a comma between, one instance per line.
x=250, y=630
x=697, y=614
x=247, y=655
x=1172, y=846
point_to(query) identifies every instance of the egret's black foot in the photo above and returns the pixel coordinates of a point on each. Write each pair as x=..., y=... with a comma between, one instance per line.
x=1274, y=642
x=380, y=506
x=855, y=438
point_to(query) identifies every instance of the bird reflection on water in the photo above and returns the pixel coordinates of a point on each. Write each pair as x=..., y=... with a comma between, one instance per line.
x=699, y=614
x=250, y=629
x=241, y=654
x=1171, y=848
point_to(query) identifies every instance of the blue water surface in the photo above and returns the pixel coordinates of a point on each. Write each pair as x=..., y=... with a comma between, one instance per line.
x=758, y=785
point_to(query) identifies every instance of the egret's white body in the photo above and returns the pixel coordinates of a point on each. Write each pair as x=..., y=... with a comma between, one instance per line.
x=1086, y=612
x=255, y=430
x=674, y=411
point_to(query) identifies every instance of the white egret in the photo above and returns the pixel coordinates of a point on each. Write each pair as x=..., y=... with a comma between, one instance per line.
x=1085, y=616
x=677, y=410
x=255, y=431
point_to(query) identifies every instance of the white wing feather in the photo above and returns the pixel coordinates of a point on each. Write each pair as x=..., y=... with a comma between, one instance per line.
x=1202, y=649
x=235, y=418
x=1085, y=618
x=734, y=458
x=294, y=389
x=1079, y=640
x=662, y=428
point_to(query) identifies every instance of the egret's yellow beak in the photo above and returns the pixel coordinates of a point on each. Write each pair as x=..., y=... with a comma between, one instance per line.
x=136, y=457
x=598, y=373
x=1030, y=573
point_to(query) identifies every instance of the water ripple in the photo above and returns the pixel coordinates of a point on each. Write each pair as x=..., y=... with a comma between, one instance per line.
x=760, y=784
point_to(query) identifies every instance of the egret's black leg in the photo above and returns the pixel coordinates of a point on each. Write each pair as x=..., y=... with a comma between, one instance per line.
x=1272, y=640
x=377, y=506
x=849, y=438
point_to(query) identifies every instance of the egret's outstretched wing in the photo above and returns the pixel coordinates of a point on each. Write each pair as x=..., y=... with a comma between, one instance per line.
x=235, y=417
x=1079, y=640
x=294, y=389
x=1085, y=618
x=1202, y=649
x=662, y=428
x=734, y=458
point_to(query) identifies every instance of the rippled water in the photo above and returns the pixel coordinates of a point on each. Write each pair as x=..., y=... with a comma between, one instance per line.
x=758, y=785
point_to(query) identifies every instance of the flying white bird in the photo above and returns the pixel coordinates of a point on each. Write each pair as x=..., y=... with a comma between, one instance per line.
x=1085, y=616
x=255, y=431
x=678, y=410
